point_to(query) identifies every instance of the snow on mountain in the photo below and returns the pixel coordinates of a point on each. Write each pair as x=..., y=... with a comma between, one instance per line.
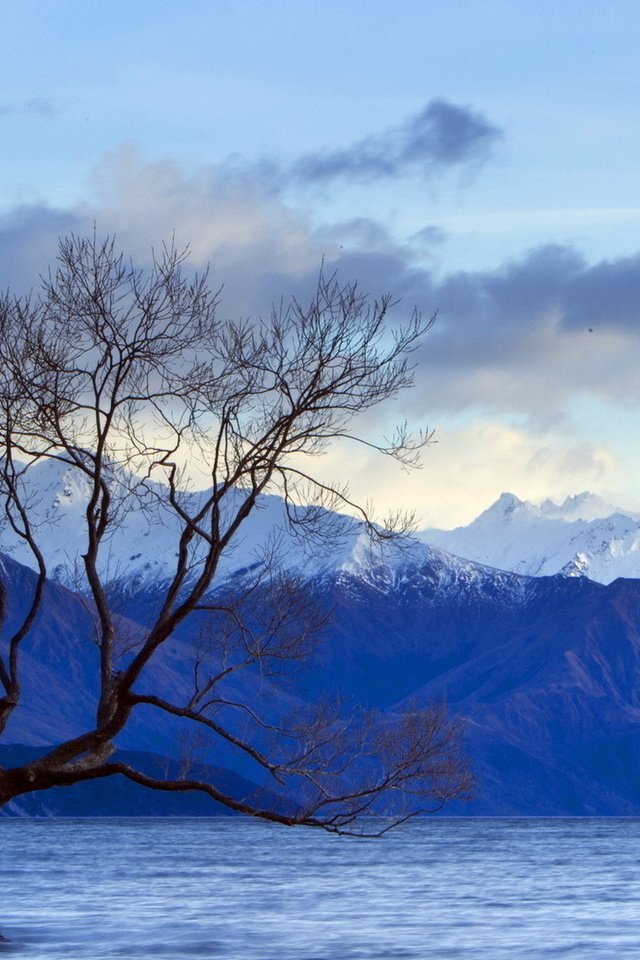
x=543, y=671
x=141, y=546
x=583, y=536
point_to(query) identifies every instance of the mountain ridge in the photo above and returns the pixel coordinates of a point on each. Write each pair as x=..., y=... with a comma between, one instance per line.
x=544, y=671
x=583, y=536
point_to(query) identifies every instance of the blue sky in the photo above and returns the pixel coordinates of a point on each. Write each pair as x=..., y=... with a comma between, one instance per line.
x=475, y=157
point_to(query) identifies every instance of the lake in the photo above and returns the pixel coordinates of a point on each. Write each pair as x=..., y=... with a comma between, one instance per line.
x=233, y=889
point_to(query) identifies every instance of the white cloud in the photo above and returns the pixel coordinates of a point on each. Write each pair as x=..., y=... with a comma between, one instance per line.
x=470, y=466
x=242, y=231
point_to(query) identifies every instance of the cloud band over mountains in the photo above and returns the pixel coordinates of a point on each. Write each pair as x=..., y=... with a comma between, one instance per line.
x=517, y=345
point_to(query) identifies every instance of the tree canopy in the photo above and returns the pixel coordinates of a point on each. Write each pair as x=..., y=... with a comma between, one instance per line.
x=132, y=379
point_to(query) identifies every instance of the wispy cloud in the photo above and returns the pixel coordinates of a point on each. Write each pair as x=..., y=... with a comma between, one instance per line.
x=441, y=136
x=34, y=106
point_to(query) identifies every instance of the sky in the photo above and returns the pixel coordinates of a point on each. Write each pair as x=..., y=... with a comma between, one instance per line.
x=476, y=158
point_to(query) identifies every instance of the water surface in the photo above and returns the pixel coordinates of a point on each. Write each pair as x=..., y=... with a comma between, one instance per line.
x=235, y=889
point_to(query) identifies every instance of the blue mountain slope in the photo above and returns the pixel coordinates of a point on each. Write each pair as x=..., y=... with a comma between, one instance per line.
x=59, y=674
x=545, y=671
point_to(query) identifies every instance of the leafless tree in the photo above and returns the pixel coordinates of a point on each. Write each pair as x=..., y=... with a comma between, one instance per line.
x=122, y=376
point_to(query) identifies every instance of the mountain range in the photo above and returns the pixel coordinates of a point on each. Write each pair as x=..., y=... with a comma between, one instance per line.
x=544, y=670
x=582, y=536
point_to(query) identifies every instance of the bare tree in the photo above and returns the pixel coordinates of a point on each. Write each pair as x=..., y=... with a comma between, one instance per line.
x=122, y=376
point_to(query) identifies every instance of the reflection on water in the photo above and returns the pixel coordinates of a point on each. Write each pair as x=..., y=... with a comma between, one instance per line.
x=234, y=889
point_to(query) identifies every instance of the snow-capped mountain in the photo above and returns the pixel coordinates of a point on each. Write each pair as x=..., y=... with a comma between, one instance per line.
x=583, y=536
x=543, y=670
x=141, y=545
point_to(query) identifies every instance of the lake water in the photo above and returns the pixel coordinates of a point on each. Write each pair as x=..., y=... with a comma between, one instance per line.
x=233, y=889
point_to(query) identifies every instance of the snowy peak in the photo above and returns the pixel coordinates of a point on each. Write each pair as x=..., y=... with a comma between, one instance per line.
x=503, y=510
x=140, y=549
x=583, y=506
x=582, y=536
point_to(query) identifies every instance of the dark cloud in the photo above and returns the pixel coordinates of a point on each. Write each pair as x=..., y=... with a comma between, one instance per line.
x=492, y=313
x=550, y=281
x=429, y=236
x=606, y=295
x=530, y=337
x=441, y=136
x=29, y=243
x=359, y=232
x=524, y=339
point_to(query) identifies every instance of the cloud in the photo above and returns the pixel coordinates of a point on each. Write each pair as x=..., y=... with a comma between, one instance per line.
x=522, y=340
x=606, y=295
x=441, y=136
x=247, y=235
x=535, y=332
x=429, y=236
x=502, y=375
x=552, y=278
x=29, y=243
x=359, y=232
x=471, y=465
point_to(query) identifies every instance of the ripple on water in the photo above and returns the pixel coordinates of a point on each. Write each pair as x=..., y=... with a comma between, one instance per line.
x=240, y=890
